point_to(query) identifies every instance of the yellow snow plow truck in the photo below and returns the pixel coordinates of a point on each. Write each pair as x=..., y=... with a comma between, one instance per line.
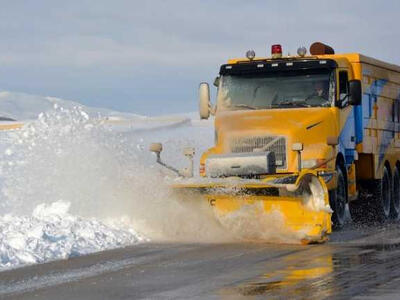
x=302, y=136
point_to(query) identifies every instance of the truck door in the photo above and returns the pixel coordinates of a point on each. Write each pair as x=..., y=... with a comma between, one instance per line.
x=347, y=138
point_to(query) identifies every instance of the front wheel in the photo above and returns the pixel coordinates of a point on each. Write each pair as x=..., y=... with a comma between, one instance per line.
x=338, y=200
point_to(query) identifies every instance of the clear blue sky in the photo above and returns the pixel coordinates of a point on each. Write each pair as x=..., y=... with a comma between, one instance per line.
x=149, y=56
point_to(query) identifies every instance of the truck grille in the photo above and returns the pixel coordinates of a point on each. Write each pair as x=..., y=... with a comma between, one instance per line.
x=276, y=144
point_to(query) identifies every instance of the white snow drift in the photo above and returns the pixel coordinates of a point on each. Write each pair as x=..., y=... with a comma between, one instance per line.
x=73, y=182
x=51, y=232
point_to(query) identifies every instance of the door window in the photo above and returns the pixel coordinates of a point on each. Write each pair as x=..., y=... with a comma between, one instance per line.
x=343, y=86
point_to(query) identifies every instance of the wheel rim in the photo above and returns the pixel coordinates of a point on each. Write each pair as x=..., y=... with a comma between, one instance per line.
x=396, y=193
x=340, y=204
x=386, y=193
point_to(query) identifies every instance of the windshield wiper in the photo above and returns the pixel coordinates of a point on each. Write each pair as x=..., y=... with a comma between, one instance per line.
x=291, y=103
x=243, y=106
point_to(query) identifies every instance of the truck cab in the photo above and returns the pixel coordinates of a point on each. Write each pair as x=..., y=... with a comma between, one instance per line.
x=300, y=108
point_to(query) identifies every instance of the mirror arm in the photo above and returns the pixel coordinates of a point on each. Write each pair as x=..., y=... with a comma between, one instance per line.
x=213, y=109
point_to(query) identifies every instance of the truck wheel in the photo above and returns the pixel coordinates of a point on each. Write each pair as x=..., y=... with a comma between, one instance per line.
x=374, y=200
x=382, y=197
x=360, y=209
x=338, y=200
x=395, y=203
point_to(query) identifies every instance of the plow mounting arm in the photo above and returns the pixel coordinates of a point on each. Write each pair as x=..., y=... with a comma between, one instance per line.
x=188, y=152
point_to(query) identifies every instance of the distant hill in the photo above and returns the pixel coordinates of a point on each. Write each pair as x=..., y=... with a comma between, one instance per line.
x=21, y=106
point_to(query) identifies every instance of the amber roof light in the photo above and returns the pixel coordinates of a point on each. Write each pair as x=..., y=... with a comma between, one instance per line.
x=318, y=48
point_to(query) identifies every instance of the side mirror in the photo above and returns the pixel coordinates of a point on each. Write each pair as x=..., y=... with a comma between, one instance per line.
x=355, y=92
x=204, y=100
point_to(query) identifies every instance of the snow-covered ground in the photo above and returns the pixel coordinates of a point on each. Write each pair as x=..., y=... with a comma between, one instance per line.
x=76, y=180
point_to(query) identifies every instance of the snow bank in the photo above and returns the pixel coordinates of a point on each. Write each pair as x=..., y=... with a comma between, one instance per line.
x=109, y=192
x=57, y=174
x=51, y=232
x=24, y=107
x=21, y=106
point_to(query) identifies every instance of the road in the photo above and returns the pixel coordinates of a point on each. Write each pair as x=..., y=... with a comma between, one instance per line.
x=357, y=263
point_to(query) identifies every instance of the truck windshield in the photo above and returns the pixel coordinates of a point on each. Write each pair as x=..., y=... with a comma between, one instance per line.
x=286, y=89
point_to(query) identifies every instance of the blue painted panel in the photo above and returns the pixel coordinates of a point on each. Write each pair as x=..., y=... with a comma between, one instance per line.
x=353, y=130
x=371, y=101
x=386, y=139
x=347, y=137
x=377, y=87
x=358, y=120
x=349, y=156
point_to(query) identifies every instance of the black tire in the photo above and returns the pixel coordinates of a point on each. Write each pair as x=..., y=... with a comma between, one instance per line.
x=395, y=203
x=338, y=200
x=359, y=210
x=374, y=200
x=382, y=197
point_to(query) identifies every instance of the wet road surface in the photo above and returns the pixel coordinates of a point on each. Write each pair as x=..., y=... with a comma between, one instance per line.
x=357, y=263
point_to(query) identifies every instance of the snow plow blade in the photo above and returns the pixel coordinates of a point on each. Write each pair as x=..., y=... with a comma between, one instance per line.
x=300, y=200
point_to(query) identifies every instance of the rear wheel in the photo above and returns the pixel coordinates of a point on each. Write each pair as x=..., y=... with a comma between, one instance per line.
x=374, y=201
x=395, y=203
x=382, y=197
x=338, y=200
